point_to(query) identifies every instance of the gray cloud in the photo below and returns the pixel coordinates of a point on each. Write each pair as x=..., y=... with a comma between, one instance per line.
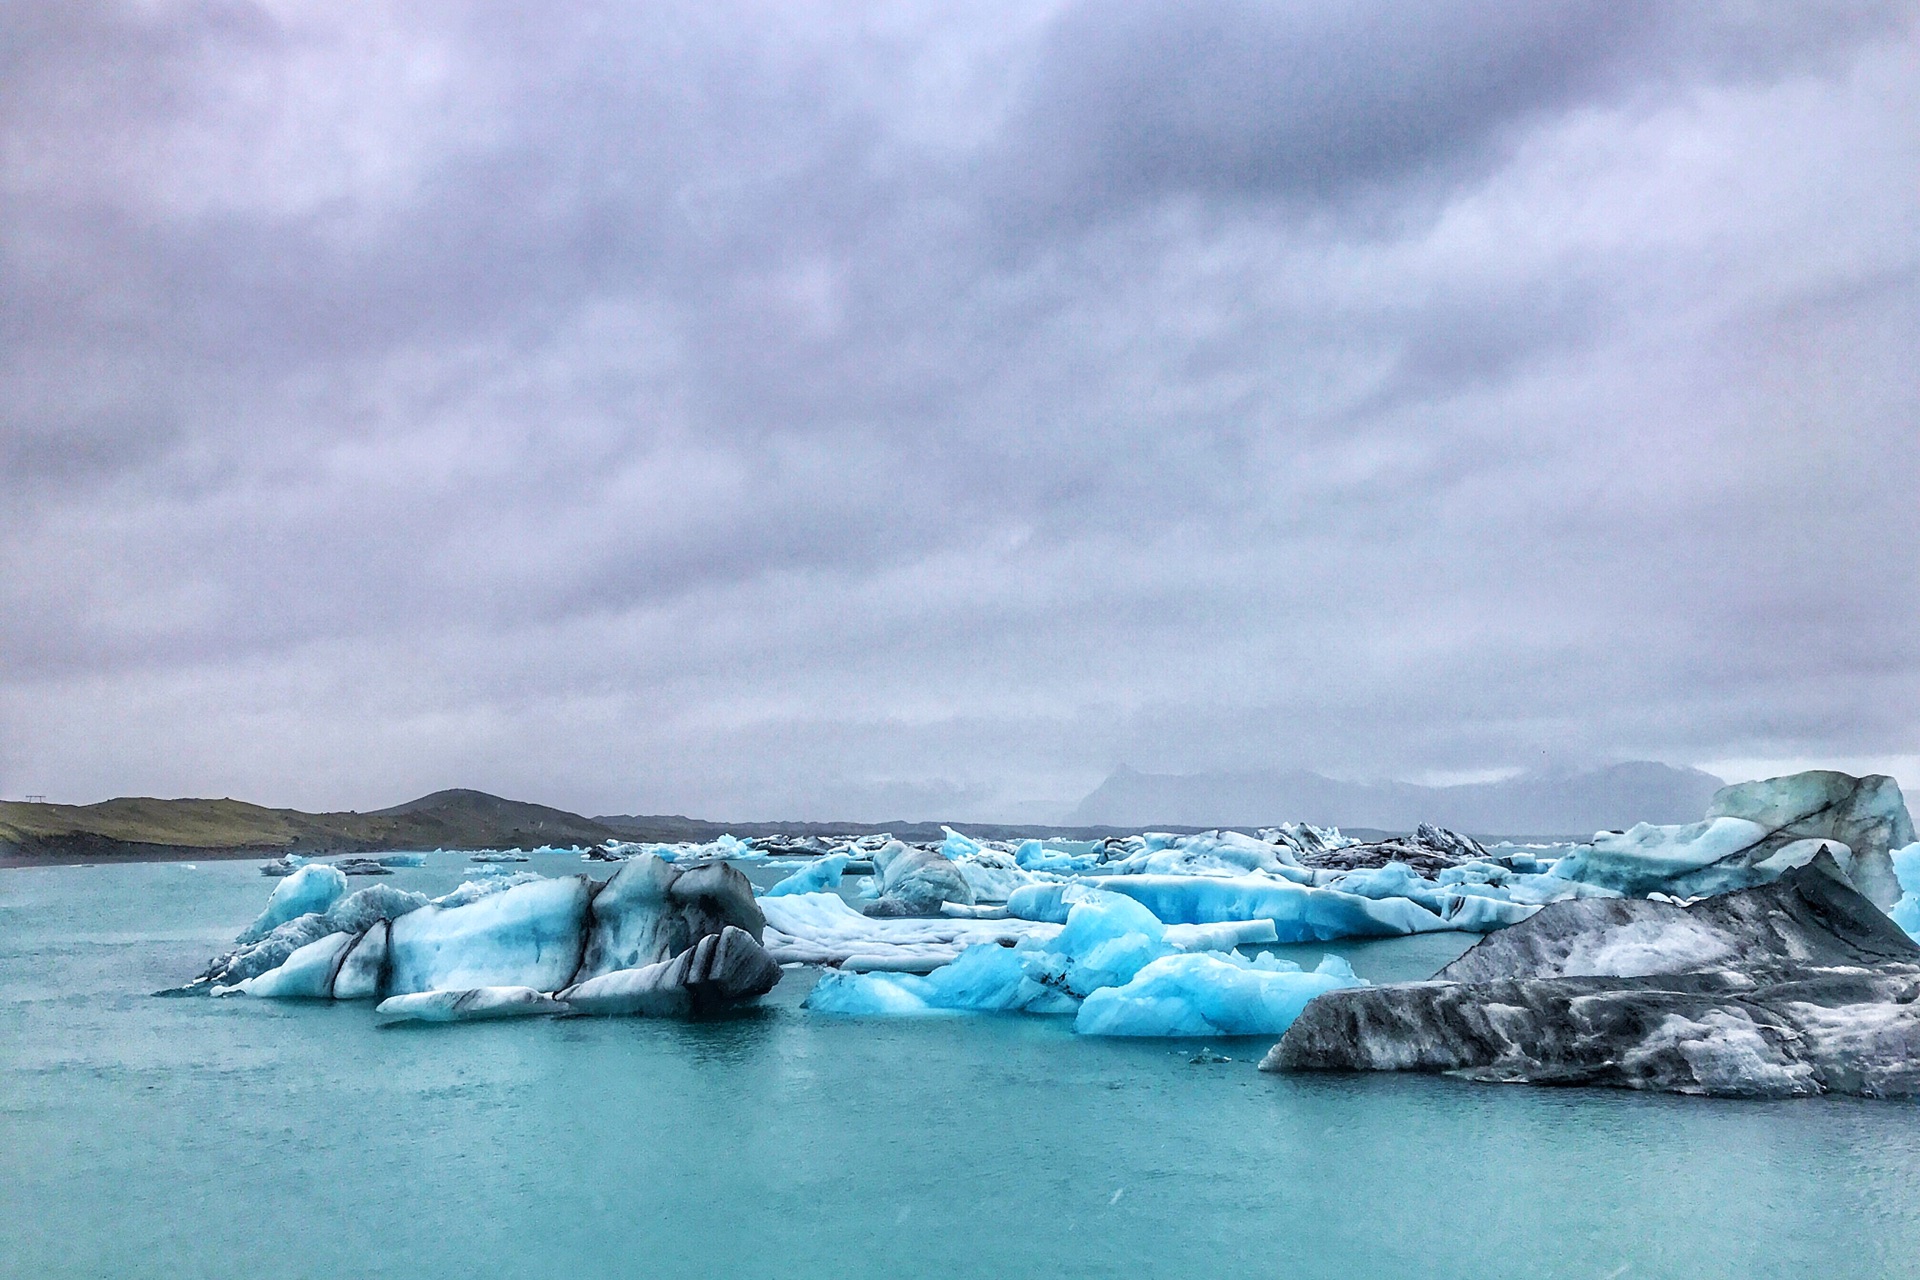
x=770, y=411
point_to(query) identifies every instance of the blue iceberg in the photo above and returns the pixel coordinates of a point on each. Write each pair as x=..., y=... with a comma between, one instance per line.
x=820, y=876
x=1209, y=995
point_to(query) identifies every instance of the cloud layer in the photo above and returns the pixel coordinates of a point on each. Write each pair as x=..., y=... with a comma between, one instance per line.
x=816, y=411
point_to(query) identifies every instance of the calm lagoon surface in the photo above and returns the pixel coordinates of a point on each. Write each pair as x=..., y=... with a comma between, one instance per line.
x=227, y=1138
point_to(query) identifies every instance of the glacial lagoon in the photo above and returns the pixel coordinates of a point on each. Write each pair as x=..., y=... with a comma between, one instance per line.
x=223, y=1138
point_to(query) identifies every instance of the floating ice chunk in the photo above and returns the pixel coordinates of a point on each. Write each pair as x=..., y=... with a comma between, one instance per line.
x=1646, y=858
x=531, y=935
x=1906, y=867
x=1221, y=937
x=820, y=928
x=652, y=910
x=357, y=912
x=474, y=890
x=1214, y=853
x=1906, y=912
x=914, y=882
x=1059, y=856
x=505, y=855
x=1479, y=913
x=1107, y=939
x=820, y=876
x=1395, y=880
x=306, y=975
x=719, y=970
x=404, y=860
x=1207, y=995
x=312, y=888
x=473, y=1005
x=991, y=875
x=1299, y=913
x=1755, y=832
x=364, y=965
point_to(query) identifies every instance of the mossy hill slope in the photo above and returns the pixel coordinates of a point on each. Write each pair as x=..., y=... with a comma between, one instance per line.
x=142, y=827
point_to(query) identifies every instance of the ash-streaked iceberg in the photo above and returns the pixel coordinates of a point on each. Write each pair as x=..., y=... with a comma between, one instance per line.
x=480, y=1004
x=915, y=882
x=1800, y=986
x=655, y=937
x=1755, y=832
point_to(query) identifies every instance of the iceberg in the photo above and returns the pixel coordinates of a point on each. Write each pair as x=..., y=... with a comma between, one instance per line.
x=1209, y=995
x=1110, y=944
x=1799, y=986
x=312, y=888
x=531, y=935
x=1064, y=857
x=1214, y=853
x=720, y=970
x=307, y=974
x=653, y=910
x=820, y=928
x=362, y=972
x=821, y=876
x=1299, y=913
x=655, y=937
x=1755, y=832
x=1906, y=867
x=914, y=882
x=358, y=912
x=479, y=1004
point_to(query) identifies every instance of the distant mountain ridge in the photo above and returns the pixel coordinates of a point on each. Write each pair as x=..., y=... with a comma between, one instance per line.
x=144, y=827
x=1129, y=801
x=1531, y=805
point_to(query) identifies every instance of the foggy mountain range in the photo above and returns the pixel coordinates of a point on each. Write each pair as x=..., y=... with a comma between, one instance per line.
x=1529, y=804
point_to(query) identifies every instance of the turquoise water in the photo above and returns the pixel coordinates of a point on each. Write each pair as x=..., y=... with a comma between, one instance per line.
x=182, y=1138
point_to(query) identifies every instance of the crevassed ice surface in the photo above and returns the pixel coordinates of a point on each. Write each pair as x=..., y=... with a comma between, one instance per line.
x=221, y=1138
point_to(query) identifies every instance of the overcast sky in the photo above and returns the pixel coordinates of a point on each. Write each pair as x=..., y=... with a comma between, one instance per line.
x=825, y=410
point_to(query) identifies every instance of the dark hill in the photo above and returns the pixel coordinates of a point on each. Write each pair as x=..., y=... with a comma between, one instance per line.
x=151, y=828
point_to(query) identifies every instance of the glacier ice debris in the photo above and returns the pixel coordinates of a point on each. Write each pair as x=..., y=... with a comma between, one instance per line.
x=1130, y=935
x=656, y=937
x=1113, y=965
x=822, y=875
x=1753, y=833
x=1798, y=986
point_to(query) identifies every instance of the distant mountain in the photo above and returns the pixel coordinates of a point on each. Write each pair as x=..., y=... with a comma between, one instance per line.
x=1531, y=804
x=142, y=827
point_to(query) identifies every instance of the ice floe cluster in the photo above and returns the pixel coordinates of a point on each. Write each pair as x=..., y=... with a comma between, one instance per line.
x=1150, y=934
x=1116, y=967
x=654, y=938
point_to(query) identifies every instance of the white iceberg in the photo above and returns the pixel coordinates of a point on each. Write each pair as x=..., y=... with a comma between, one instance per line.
x=820, y=928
